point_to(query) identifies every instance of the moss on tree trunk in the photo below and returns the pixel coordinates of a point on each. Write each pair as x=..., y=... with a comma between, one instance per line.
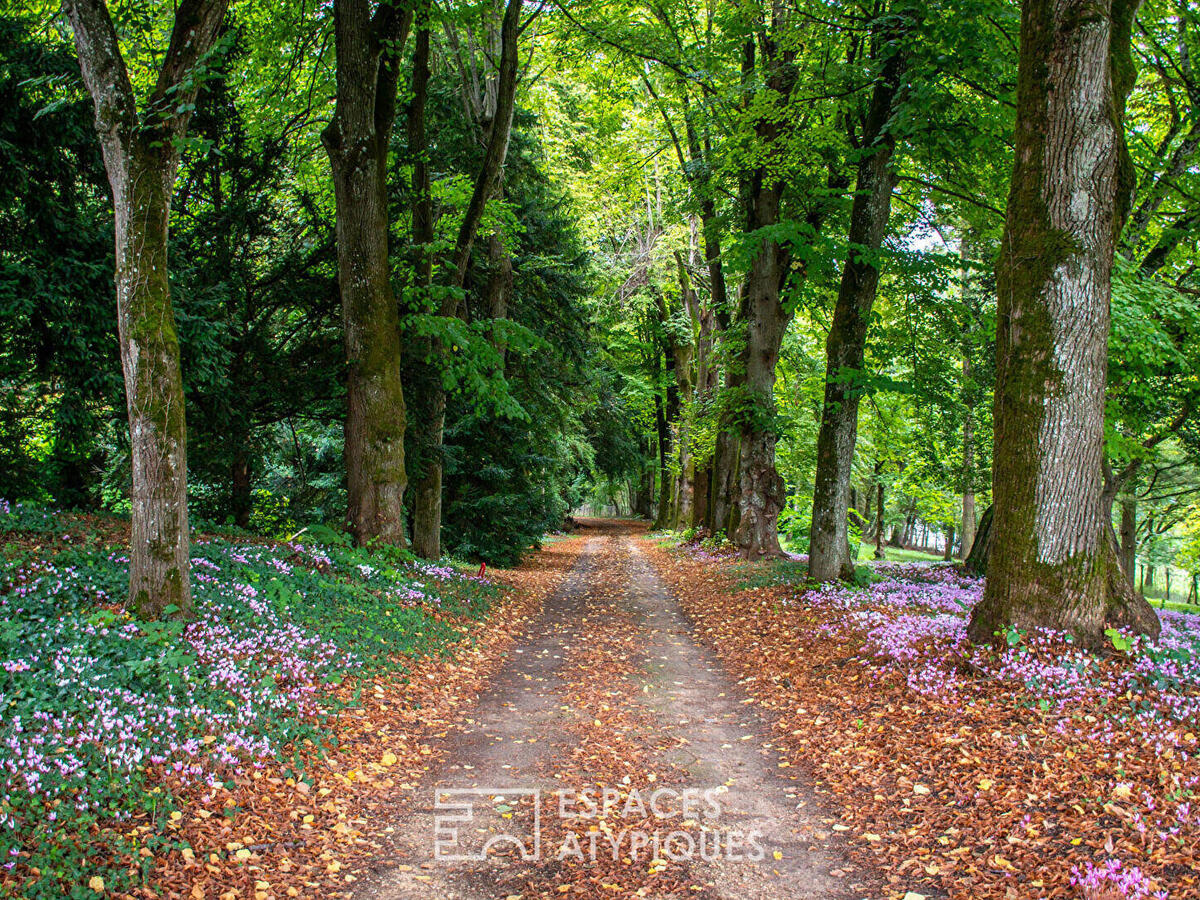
x=1053, y=561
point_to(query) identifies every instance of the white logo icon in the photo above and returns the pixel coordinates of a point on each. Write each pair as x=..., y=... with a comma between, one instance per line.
x=490, y=827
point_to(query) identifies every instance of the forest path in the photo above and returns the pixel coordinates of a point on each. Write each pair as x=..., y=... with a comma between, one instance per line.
x=609, y=697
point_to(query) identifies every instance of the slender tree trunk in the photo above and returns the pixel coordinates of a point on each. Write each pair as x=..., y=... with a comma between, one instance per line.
x=879, y=525
x=662, y=515
x=427, y=507
x=159, y=554
x=357, y=143
x=948, y=552
x=141, y=159
x=969, y=399
x=828, y=548
x=684, y=352
x=968, y=471
x=1129, y=537
x=1054, y=562
x=241, y=496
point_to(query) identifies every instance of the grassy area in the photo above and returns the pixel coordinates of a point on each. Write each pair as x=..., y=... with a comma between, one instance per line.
x=102, y=710
x=898, y=554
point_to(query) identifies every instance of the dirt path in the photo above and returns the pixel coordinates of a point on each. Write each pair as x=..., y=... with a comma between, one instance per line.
x=618, y=742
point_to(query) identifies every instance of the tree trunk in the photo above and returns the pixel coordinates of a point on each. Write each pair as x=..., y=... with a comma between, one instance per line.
x=1054, y=561
x=968, y=474
x=968, y=431
x=141, y=158
x=357, y=143
x=845, y=348
x=879, y=526
x=685, y=386
x=427, y=509
x=159, y=561
x=976, y=562
x=662, y=514
x=1129, y=537
x=499, y=289
x=761, y=494
x=724, y=480
x=241, y=498
x=948, y=552
x=645, y=494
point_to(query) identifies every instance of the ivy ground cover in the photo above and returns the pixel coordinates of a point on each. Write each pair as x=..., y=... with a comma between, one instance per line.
x=1040, y=770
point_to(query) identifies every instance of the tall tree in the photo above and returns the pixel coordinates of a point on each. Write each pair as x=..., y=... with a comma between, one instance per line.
x=494, y=113
x=368, y=46
x=1053, y=559
x=141, y=149
x=845, y=349
x=761, y=308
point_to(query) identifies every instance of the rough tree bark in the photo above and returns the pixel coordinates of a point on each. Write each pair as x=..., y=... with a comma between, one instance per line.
x=427, y=503
x=828, y=552
x=141, y=156
x=1054, y=561
x=761, y=310
x=356, y=141
x=761, y=495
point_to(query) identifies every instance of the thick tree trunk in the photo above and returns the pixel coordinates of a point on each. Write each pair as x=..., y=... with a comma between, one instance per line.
x=141, y=159
x=761, y=489
x=845, y=348
x=1054, y=561
x=357, y=143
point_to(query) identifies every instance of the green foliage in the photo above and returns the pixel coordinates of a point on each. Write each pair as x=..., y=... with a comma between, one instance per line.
x=59, y=374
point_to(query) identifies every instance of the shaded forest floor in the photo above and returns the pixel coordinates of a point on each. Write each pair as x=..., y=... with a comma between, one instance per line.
x=669, y=720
